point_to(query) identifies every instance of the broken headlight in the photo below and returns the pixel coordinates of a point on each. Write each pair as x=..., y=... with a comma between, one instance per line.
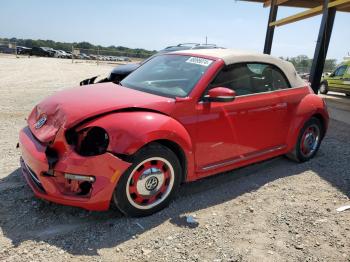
x=90, y=141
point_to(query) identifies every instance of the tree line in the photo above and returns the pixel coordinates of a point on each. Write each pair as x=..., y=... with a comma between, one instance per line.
x=110, y=50
x=303, y=63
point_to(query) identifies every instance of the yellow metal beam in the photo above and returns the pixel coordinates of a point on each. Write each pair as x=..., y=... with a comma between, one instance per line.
x=309, y=13
x=278, y=2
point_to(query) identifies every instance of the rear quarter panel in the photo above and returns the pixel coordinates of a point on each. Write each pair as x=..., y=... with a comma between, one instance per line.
x=308, y=106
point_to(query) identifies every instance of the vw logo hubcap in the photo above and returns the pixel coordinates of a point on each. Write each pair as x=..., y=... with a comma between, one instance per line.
x=151, y=183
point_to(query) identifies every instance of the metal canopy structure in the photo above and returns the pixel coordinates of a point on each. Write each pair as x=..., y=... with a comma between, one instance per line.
x=326, y=8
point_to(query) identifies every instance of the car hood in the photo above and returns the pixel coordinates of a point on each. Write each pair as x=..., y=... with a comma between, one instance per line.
x=70, y=107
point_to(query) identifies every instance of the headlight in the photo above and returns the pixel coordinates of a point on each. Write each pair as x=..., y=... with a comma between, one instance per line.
x=90, y=141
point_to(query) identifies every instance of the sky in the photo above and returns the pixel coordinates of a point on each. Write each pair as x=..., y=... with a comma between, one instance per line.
x=155, y=24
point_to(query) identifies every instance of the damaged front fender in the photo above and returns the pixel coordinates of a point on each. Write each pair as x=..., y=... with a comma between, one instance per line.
x=130, y=131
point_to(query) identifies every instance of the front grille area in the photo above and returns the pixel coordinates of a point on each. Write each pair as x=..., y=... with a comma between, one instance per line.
x=34, y=178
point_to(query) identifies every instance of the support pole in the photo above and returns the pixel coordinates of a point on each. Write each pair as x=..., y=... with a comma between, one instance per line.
x=323, y=39
x=270, y=29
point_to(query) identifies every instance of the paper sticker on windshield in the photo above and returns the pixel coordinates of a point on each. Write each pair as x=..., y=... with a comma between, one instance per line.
x=199, y=61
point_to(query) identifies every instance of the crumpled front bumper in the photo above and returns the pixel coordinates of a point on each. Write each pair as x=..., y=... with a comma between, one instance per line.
x=106, y=168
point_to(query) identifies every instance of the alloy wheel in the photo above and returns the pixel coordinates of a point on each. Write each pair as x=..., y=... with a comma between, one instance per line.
x=150, y=182
x=310, y=140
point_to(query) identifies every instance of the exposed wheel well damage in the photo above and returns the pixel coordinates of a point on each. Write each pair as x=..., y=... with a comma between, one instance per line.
x=156, y=128
x=178, y=151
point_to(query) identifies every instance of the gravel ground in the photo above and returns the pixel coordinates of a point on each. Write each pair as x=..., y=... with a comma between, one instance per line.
x=276, y=210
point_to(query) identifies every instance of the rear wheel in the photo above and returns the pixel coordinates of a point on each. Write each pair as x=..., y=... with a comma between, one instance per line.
x=309, y=141
x=324, y=88
x=149, y=183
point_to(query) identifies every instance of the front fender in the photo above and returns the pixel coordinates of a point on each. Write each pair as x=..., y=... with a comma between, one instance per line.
x=130, y=131
x=310, y=105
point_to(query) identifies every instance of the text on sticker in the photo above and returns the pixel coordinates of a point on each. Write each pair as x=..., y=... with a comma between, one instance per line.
x=199, y=61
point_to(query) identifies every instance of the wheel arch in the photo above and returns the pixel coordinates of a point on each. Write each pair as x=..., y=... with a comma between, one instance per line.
x=177, y=150
x=323, y=122
x=132, y=131
x=310, y=106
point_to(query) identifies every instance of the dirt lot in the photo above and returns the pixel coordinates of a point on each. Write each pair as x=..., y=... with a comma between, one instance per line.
x=273, y=211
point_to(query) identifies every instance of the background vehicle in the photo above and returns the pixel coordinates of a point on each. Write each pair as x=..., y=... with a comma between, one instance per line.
x=22, y=50
x=305, y=76
x=59, y=54
x=338, y=81
x=42, y=51
x=85, y=56
x=6, y=49
x=120, y=72
x=62, y=54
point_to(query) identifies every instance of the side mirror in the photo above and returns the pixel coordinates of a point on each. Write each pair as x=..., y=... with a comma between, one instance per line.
x=220, y=94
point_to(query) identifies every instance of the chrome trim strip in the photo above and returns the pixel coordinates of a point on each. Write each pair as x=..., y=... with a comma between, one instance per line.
x=225, y=96
x=236, y=160
x=272, y=91
x=80, y=177
x=267, y=92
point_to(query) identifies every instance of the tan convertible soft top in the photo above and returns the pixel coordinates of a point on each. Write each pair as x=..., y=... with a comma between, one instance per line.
x=231, y=56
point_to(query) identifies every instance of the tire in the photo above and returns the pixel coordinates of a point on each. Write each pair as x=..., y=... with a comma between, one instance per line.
x=149, y=183
x=348, y=95
x=324, y=88
x=309, y=141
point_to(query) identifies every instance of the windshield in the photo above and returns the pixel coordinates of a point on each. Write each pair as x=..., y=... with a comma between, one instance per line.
x=168, y=75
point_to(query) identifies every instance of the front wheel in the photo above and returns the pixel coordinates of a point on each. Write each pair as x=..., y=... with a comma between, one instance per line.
x=324, y=88
x=309, y=141
x=149, y=183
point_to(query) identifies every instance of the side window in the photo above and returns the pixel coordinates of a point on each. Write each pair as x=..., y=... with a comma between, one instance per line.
x=340, y=70
x=279, y=80
x=235, y=77
x=250, y=78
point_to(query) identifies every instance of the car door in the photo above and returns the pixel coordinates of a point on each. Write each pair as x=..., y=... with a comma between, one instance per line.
x=336, y=79
x=346, y=81
x=251, y=125
x=344, y=84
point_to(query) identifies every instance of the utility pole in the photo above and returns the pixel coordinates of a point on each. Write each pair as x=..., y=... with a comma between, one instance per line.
x=16, y=53
x=206, y=40
x=98, y=55
x=72, y=54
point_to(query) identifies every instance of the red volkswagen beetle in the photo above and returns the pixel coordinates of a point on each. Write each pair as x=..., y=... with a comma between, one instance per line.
x=179, y=117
